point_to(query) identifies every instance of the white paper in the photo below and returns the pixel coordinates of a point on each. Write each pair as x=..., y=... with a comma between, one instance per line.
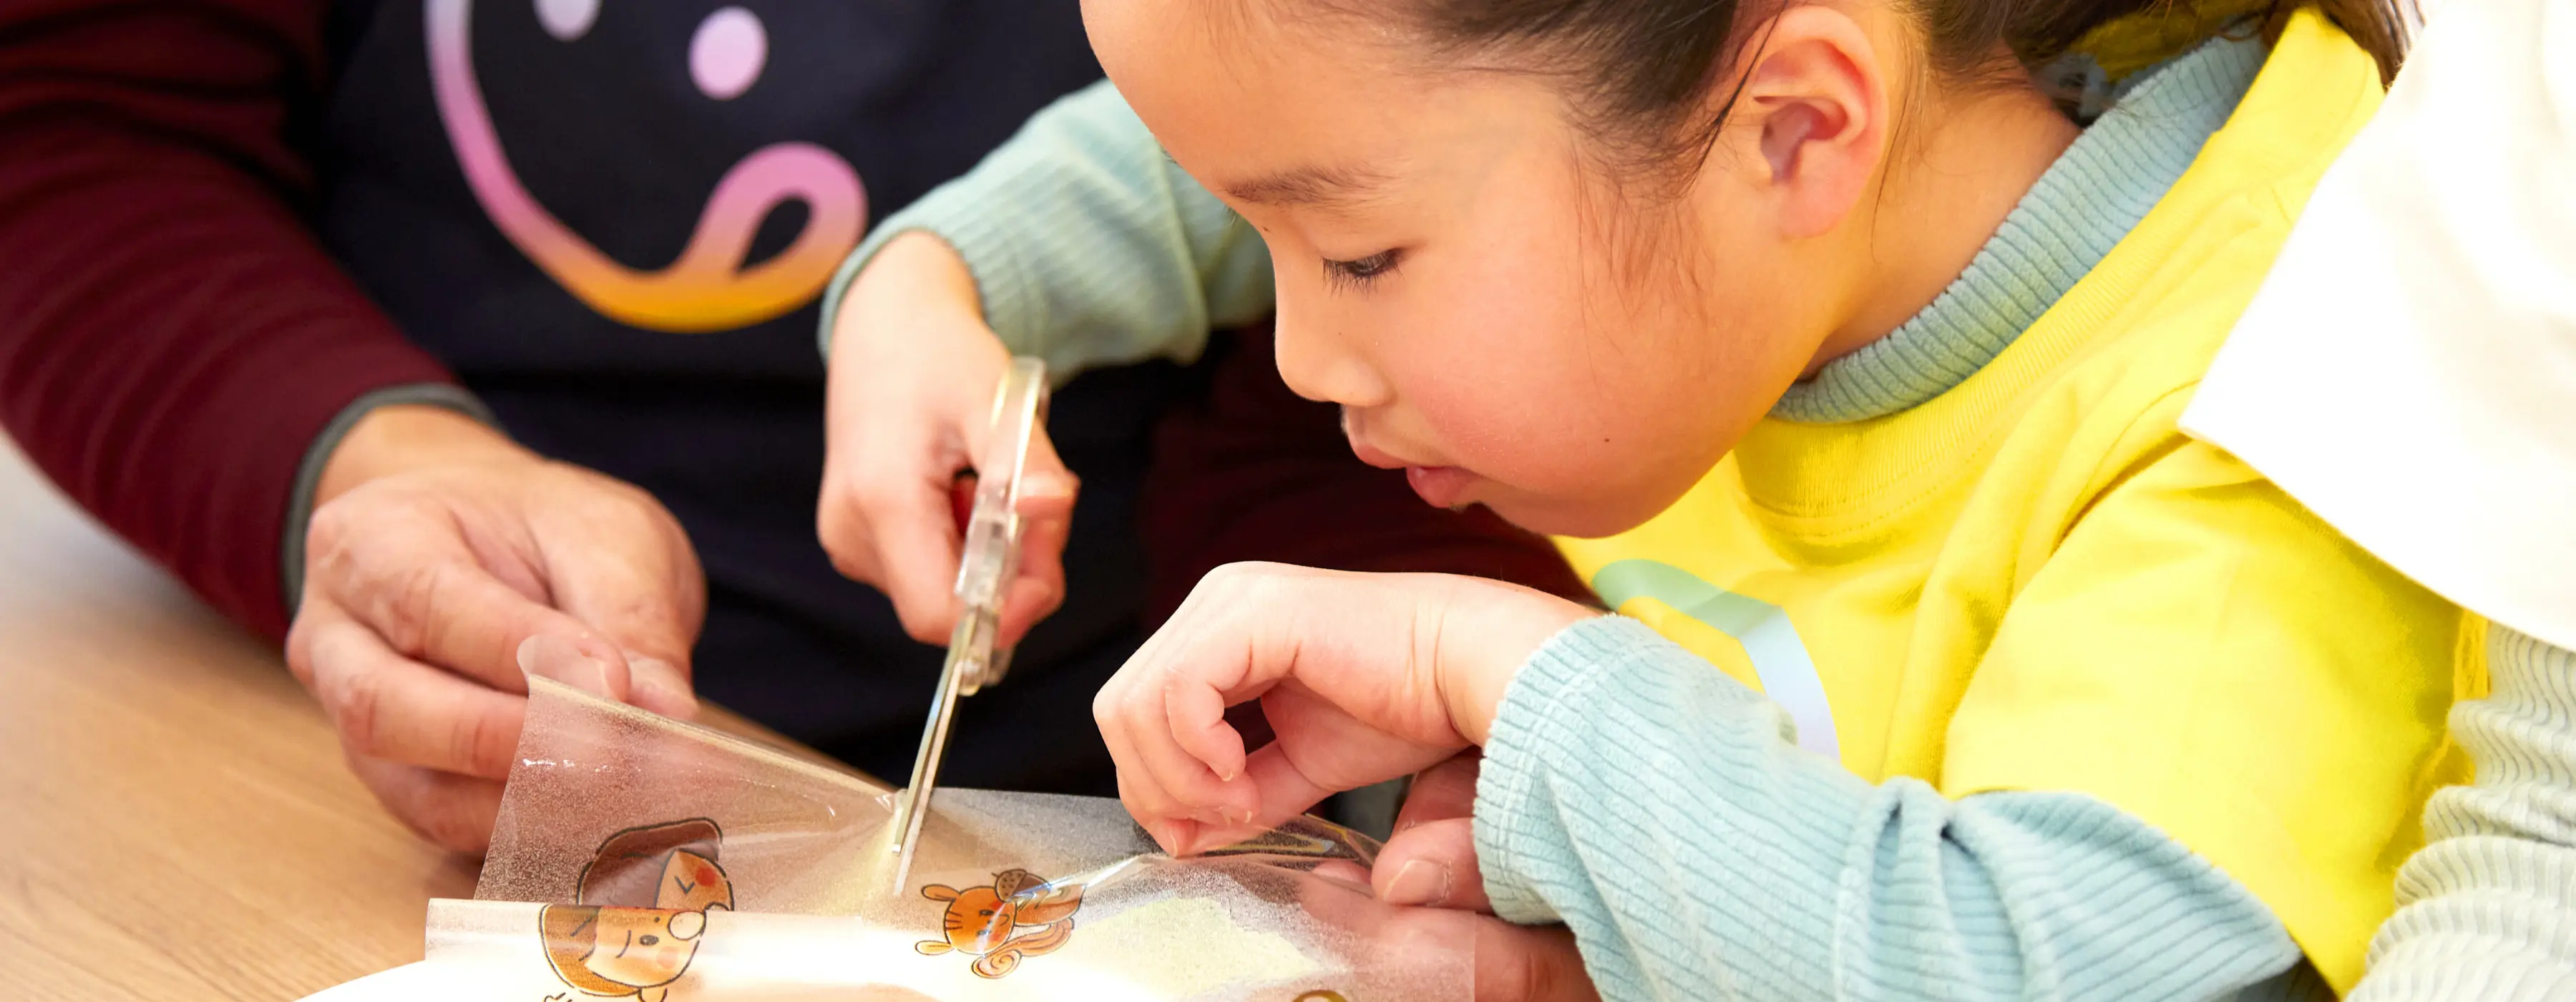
x=2408, y=370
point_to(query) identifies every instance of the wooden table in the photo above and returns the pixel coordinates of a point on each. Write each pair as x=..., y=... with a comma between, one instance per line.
x=175, y=819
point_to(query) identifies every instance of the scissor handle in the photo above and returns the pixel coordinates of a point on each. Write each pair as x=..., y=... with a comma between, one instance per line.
x=991, y=554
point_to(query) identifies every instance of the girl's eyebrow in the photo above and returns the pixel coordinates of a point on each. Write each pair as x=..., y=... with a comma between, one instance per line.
x=1309, y=186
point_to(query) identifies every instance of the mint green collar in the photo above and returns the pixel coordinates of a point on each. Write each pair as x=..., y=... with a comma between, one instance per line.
x=2083, y=204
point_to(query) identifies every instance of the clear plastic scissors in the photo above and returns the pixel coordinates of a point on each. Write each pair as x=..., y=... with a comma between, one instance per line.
x=985, y=566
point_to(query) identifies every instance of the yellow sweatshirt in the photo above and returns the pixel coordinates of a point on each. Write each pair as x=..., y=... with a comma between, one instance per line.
x=2034, y=581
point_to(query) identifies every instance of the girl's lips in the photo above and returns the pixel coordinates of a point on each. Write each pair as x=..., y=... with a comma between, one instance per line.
x=1375, y=456
x=1443, y=486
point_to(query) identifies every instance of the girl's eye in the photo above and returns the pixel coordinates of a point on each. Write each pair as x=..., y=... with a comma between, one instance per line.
x=1359, y=273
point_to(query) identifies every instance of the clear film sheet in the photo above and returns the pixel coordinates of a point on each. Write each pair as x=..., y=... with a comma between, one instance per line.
x=638, y=857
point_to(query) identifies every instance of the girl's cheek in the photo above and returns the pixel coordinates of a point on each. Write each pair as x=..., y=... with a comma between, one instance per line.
x=1506, y=415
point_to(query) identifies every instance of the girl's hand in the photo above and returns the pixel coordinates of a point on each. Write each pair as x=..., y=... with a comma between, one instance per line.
x=909, y=405
x=1364, y=677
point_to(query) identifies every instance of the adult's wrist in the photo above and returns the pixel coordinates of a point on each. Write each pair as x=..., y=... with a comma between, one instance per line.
x=398, y=437
x=383, y=431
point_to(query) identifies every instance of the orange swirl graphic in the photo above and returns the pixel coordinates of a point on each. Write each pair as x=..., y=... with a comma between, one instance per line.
x=707, y=288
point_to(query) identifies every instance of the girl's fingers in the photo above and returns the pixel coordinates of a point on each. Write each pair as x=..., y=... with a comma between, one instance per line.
x=1194, y=715
x=1145, y=797
x=1047, y=488
x=1335, y=750
x=1038, y=588
x=1165, y=690
x=916, y=542
x=1192, y=787
x=1285, y=790
x=1173, y=834
x=1247, y=631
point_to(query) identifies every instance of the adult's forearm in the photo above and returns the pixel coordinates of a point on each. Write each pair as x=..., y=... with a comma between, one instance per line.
x=171, y=341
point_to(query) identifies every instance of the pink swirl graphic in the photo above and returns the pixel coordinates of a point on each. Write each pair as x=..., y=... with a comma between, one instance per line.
x=707, y=288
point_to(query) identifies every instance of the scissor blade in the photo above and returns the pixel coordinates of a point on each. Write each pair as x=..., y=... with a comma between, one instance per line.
x=914, y=807
x=986, y=562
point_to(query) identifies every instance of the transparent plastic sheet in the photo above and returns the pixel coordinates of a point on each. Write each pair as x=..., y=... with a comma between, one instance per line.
x=639, y=857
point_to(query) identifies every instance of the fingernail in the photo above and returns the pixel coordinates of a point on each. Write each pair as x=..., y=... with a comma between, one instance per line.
x=549, y=656
x=659, y=687
x=1419, y=882
x=1238, y=815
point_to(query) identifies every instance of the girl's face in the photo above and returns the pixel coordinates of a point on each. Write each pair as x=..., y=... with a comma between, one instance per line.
x=1495, y=308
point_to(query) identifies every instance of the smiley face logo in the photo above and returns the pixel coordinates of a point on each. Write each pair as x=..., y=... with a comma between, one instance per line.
x=708, y=287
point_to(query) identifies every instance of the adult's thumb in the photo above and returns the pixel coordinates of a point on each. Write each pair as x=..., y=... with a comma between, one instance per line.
x=1433, y=864
x=1529, y=964
x=641, y=589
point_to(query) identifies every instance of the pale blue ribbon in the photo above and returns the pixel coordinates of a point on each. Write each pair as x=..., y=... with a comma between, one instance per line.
x=1779, y=658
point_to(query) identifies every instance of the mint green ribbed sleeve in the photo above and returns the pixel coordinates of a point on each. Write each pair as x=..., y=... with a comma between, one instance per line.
x=1088, y=245
x=2488, y=909
x=1658, y=808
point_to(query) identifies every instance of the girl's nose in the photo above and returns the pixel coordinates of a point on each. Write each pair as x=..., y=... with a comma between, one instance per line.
x=1321, y=363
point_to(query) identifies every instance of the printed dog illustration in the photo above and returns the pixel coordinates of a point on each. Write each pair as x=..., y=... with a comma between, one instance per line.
x=643, y=904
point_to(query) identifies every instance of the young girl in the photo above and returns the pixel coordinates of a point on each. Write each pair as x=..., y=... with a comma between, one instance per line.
x=1851, y=358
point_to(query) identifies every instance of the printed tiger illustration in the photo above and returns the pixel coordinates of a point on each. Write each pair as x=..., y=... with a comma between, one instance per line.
x=1019, y=915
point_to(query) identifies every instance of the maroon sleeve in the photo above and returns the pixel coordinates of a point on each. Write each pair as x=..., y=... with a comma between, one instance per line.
x=172, y=335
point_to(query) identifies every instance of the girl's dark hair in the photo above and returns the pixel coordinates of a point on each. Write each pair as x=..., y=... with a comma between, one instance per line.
x=1650, y=62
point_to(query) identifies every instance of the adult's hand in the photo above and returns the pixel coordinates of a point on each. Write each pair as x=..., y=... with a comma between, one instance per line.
x=443, y=565
x=1431, y=857
x=1363, y=678
x=1431, y=861
x=1517, y=963
x=909, y=409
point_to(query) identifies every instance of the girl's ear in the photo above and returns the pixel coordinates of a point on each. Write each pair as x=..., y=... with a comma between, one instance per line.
x=931, y=947
x=1814, y=105
x=938, y=892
